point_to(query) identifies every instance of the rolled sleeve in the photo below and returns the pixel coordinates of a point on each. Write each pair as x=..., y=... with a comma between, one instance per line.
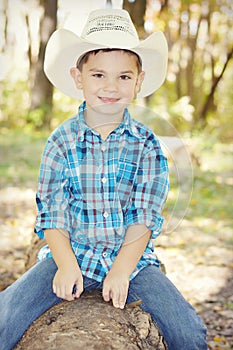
x=53, y=191
x=150, y=191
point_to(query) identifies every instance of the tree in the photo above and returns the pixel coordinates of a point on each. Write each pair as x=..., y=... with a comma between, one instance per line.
x=5, y=24
x=42, y=90
x=4, y=41
x=200, y=45
x=137, y=10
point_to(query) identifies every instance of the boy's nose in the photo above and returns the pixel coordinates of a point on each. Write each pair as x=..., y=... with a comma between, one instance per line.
x=110, y=85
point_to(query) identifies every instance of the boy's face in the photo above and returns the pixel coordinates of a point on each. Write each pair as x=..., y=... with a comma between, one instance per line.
x=109, y=80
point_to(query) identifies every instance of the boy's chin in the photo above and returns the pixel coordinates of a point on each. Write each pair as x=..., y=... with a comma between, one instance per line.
x=110, y=108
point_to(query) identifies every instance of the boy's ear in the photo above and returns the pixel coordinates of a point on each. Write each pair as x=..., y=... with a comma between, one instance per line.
x=139, y=82
x=77, y=76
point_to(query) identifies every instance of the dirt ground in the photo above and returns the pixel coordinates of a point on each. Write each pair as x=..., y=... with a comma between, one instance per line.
x=199, y=264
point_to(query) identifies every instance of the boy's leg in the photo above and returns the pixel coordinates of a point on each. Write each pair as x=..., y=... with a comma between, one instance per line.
x=178, y=321
x=28, y=298
x=25, y=300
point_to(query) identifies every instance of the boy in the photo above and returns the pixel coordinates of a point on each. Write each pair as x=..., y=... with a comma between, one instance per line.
x=103, y=183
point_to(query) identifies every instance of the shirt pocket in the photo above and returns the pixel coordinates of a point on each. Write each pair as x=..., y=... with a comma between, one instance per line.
x=125, y=179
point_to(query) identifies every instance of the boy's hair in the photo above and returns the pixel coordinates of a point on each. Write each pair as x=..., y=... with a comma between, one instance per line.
x=83, y=59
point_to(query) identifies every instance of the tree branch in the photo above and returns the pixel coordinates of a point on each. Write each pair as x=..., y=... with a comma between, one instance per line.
x=215, y=83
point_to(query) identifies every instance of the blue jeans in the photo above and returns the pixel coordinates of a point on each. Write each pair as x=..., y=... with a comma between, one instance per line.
x=31, y=295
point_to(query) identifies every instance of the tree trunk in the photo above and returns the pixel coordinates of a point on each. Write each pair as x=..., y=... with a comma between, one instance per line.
x=42, y=90
x=90, y=323
x=137, y=10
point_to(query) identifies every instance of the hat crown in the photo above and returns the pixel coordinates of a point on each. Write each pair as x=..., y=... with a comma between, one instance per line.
x=112, y=28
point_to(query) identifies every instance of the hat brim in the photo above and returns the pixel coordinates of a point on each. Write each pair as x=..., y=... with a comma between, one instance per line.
x=64, y=48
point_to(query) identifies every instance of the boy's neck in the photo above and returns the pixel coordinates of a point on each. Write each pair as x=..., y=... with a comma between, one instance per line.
x=103, y=123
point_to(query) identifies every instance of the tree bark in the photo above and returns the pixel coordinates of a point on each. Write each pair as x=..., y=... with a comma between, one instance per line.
x=90, y=323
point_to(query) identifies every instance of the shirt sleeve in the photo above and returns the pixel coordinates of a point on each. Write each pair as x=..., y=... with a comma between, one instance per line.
x=150, y=190
x=53, y=191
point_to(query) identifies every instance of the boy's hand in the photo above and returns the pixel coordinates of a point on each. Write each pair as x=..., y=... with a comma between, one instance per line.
x=115, y=287
x=64, y=281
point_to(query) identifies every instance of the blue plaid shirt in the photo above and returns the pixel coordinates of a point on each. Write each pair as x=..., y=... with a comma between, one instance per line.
x=94, y=189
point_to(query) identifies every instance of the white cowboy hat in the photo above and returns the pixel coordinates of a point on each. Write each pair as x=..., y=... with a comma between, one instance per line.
x=105, y=28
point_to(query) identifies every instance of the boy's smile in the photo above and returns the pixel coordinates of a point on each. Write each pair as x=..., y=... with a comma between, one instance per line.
x=110, y=80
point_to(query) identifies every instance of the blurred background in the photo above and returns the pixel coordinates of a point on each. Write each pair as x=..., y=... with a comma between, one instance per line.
x=192, y=112
x=198, y=91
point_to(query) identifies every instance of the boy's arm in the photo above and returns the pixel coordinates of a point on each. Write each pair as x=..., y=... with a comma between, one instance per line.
x=116, y=283
x=68, y=273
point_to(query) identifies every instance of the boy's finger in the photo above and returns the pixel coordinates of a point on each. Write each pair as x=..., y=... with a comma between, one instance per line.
x=54, y=289
x=106, y=293
x=78, y=289
x=122, y=298
x=67, y=294
x=59, y=293
x=122, y=303
x=116, y=299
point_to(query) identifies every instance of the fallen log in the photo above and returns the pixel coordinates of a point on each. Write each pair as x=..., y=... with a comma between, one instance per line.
x=90, y=323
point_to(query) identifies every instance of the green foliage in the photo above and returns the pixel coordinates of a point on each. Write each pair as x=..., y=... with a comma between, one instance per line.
x=14, y=104
x=64, y=107
x=212, y=196
x=36, y=117
x=16, y=114
x=179, y=112
x=15, y=108
x=20, y=154
x=213, y=180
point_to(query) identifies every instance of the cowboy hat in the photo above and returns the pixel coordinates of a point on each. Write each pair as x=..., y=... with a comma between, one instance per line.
x=105, y=28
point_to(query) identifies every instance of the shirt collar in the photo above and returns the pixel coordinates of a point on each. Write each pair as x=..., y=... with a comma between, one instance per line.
x=127, y=124
x=83, y=127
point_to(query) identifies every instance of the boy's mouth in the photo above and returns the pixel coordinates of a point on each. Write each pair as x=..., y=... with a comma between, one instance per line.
x=108, y=99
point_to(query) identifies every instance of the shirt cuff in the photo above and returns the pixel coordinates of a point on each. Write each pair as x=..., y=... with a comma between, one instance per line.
x=51, y=220
x=150, y=218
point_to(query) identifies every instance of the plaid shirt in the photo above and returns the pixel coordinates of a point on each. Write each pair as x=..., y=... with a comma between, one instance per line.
x=95, y=189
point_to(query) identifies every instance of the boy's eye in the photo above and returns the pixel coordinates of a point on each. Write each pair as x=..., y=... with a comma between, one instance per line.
x=125, y=77
x=98, y=75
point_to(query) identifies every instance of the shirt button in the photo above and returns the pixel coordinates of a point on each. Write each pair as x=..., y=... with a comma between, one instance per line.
x=103, y=148
x=105, y=255
x=104, y=180
x=105, y=214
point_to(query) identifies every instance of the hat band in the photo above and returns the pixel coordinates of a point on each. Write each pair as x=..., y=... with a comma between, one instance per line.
x=108, y=22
